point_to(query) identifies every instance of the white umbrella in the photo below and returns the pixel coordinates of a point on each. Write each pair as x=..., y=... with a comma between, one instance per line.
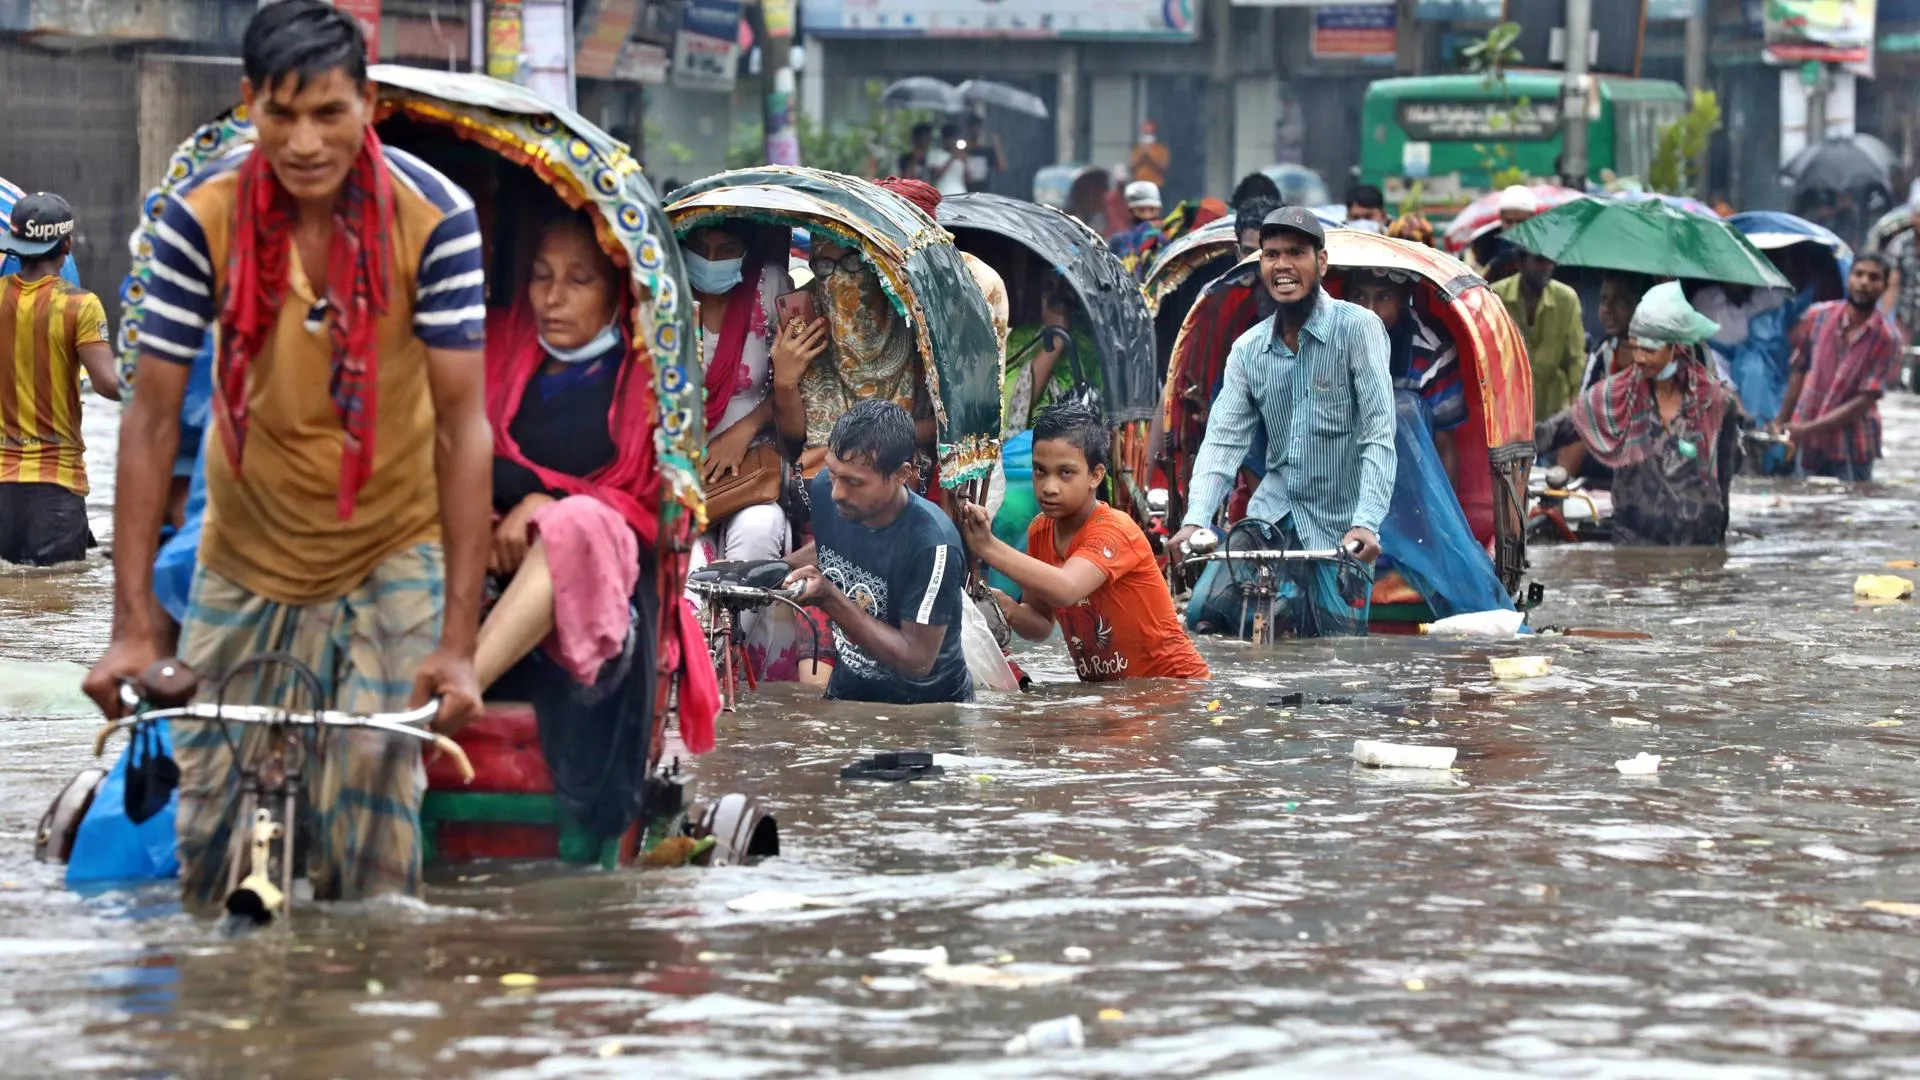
x=923, y=92
x=987, y=92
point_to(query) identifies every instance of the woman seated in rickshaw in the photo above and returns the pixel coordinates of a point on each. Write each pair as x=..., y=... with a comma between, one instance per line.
x=871, y=353
x=573, y=465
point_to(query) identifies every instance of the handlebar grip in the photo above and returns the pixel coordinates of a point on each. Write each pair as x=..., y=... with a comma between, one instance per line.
x=168, y=684
x=106, y=732
x=452, y=749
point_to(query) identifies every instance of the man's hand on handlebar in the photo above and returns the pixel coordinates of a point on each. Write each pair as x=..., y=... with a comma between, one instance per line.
x=449, y=676
x=125, y=659
x=1368, y=548
x=812, y=586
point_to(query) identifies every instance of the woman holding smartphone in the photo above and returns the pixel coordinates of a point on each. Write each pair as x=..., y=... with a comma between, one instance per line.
x=738, y=287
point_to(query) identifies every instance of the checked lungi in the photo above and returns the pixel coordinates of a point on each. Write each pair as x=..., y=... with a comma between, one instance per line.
x=364, y=793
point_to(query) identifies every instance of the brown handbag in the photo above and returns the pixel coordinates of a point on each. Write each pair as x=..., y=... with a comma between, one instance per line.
x=756, y=482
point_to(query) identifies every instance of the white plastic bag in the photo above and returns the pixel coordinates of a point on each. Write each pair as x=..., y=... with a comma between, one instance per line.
x=984, y=659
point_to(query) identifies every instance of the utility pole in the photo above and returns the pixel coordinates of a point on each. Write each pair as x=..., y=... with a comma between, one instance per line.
x=1696, y=75
x=1220, y=98
x=1573, y=94
x=782, y=139
x=1818, y=78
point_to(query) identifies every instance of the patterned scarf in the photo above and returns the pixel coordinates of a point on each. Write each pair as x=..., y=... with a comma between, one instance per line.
x=358, y=281
x=1619, y=419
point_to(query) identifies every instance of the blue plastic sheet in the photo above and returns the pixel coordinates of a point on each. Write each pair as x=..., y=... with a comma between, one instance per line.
x=1761, y=366
x=1019, y=507
x=110, y=847
x=1426, y=536
x=173, y=565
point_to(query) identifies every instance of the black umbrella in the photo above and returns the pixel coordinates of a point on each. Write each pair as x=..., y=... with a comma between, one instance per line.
x=1842, y=163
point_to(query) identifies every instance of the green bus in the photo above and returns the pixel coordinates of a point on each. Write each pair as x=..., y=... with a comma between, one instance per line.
x=1442, y=130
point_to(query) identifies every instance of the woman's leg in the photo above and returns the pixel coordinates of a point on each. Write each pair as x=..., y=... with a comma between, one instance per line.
x=519, y=621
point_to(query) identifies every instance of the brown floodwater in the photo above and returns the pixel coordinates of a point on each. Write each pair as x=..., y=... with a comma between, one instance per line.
x=1248, y=901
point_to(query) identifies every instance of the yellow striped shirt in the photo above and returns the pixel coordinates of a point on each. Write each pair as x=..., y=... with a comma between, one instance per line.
x=43, y=324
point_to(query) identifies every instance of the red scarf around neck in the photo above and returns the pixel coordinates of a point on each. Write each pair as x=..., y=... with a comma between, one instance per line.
x=358, y=281
x=726, y=375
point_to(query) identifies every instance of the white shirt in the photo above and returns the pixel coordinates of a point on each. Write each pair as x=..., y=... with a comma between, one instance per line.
x=952, y=181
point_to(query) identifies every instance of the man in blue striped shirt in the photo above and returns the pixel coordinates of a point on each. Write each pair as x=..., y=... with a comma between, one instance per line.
x=348, y=507
x=1315, y=380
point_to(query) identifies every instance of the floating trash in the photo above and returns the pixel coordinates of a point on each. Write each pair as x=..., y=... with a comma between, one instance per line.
x=1882, y=587
x=1639, y=765
x=1395, y=756
x=1519, y=667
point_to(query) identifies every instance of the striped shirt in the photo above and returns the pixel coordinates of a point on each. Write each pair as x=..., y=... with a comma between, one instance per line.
x=1327, y=414
x=10, y=264
x=277, y=530
x=1432, y=371
x=43, y=324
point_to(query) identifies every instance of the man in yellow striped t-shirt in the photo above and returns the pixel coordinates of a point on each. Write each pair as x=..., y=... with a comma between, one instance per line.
x=49, y=329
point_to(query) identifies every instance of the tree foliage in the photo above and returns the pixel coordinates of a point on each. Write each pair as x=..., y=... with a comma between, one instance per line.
x=864, y=148
x=1676, y=156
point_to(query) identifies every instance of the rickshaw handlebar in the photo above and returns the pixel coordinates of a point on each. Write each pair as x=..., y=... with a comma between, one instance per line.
x=412, y=724
x=1267, y=556
x=727, y=590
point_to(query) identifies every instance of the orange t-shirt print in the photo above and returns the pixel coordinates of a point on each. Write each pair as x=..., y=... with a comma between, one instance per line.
x=1128, y=628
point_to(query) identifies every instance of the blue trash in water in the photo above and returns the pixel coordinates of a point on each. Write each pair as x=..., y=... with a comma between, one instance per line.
x=110, y=847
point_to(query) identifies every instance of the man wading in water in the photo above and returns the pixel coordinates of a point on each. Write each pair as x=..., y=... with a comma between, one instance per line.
x=352, y=439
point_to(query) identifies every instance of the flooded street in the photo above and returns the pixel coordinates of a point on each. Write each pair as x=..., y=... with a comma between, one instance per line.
x=1248, y=901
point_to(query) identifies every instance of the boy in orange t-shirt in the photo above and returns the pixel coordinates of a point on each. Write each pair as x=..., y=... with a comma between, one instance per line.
x=1088, y=565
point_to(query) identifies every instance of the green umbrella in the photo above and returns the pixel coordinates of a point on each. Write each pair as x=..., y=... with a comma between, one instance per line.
x=1647, y=238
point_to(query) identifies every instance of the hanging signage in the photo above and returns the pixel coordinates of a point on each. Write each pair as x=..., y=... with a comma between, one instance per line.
x=706, y=51
x=1108, y=19
x=505, y=40
x=1829, y=31
x=1457, y=121
x=1354, y=32
x=601, y=36
x=642, y=62
x=778, y=15
x=367, y=14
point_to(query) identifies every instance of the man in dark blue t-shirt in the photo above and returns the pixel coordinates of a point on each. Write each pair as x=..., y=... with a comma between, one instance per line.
x=885, y=565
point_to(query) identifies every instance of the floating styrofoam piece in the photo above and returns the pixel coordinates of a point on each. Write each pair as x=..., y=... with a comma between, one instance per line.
x=936, y=956
x=1394, y=756
x=1000, y=978
x=1639, y=765
x=1519, y=667
x=1882, y=587
x=1495, y=623
x=1630, y=722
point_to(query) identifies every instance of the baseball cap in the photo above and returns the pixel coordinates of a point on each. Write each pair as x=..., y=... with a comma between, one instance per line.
x=1143, y=193
x=1294, y=219
x=40, y=222
x=1520, y=199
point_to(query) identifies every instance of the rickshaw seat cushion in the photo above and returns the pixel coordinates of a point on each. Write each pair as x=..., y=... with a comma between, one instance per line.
x=1390, y=588
x=504, y=746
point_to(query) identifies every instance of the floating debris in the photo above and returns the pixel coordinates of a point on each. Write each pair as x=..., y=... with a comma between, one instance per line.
x=1395, y=756
x=773, y=900
x=1519, y=667
x=1642, y=764
x=1000, y=978
x=934, y=957
x=1882, y=587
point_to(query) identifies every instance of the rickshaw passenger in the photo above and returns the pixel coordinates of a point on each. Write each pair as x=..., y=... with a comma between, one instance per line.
x=1246, y=222
x=568, y=481
x=1423, y=358
x=1668, y=428
x=740, y=337
x=872, y=355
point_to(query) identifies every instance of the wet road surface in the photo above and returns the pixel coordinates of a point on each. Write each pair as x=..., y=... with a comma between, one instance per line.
x=1248, y=901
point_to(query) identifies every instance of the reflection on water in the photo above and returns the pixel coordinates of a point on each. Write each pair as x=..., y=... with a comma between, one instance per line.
x=1247, y=899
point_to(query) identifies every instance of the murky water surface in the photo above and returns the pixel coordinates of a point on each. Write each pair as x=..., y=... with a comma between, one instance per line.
x=1248, y=901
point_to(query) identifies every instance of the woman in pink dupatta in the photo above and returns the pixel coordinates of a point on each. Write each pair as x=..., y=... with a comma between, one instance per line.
x=575, y=482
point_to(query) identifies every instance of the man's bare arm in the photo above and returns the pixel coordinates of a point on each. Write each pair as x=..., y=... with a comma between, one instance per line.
x=463, y=464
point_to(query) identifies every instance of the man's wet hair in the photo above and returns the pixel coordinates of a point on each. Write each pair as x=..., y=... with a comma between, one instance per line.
x=874, y=430
x=1366, y=197
x=304, y=39
x=1255, y=185
x=1251, y=213
x=1079, y=425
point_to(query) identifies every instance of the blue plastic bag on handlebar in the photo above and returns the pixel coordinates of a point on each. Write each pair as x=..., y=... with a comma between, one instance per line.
x=110, y=847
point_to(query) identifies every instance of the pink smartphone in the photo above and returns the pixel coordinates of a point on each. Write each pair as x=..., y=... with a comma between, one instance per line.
x=797, y=304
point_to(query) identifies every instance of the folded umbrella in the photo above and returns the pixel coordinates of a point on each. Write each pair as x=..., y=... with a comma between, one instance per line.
x=1011, y=98
x=1647, y=238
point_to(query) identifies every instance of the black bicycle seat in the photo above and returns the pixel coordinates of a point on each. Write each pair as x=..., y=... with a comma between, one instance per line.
x=752, y=573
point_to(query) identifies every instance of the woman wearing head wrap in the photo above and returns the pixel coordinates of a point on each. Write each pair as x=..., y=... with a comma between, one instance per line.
x=1664, y=424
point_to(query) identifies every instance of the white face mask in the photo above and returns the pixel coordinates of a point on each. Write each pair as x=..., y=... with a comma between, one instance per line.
x=1668, y=372
x=592, y=350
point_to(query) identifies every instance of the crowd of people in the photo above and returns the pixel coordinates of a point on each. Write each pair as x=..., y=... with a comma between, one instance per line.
x=420, y=490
